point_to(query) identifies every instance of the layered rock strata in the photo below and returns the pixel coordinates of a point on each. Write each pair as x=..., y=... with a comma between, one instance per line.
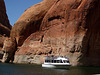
x=67, y=27
x=71, y=28
x=3, y=16
x=9, y=48
x=5, y=26
x=30, y=21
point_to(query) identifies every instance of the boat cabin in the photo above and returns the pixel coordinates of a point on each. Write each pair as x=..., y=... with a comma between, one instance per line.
x=56, y=62
x=59, y=59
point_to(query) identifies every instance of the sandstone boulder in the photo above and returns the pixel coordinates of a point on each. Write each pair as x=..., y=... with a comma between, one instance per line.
x=9, y=48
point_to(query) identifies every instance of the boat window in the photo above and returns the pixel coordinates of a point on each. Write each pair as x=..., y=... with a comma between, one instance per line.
x=54, y=61
x=65, y=61
x=60, y=61
x=47, y=60
x=57, y=61
x=68, y=62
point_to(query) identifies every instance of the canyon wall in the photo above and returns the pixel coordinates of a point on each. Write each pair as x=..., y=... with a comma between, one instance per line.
x=5, y=26
x=59, y=27
x=30, y=21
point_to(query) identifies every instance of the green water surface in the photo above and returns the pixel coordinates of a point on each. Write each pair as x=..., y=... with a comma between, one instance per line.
x=24, y=69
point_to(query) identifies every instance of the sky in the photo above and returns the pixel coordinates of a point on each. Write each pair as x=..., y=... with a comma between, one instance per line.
x=15, y=8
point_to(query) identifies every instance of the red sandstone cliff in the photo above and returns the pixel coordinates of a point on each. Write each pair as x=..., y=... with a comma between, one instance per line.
x=5, y=26
x=3, y=16
x=30, y=20
x=67, y=27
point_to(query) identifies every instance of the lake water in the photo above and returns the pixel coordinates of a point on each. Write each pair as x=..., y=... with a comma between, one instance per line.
x=24, y=69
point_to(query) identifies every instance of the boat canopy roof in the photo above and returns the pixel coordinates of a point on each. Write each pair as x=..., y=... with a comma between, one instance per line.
x=56, y=57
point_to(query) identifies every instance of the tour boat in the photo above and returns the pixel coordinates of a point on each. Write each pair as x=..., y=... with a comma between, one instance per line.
x=56, y=62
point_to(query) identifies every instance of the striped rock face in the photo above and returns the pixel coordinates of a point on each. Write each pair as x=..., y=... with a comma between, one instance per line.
x=9, y=48
x=5, y=26
x=68, y=27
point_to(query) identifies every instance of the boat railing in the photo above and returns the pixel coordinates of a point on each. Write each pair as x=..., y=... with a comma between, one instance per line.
x=54, y=57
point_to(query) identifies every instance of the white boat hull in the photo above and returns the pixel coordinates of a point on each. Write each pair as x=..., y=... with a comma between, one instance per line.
x=56, y=62
x=55, y=66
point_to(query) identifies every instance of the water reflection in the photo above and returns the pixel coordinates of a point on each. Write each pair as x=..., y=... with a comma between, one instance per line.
x=20, y=69
x=48, y=71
